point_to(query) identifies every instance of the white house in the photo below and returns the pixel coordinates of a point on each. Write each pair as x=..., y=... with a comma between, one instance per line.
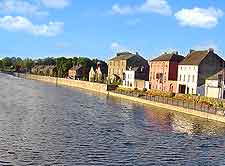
x=195, y=69
x=136, y=77
x=214, y=86
x=188, y=79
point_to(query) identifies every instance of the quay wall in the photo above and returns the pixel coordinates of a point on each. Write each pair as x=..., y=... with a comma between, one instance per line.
x=102, y=88
x=205, y=115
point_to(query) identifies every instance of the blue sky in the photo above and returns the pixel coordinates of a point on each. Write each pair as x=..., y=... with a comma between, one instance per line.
x=99, y=29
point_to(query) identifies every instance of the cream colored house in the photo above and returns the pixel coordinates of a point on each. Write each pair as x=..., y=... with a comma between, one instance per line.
x=214, y=85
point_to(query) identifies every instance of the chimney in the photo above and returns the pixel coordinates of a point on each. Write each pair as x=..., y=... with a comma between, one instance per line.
x=175, y=52
x=211, y=50
x=191, y=50
x=137, y=53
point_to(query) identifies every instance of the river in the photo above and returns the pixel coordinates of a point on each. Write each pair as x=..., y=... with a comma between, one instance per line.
x=41, y=124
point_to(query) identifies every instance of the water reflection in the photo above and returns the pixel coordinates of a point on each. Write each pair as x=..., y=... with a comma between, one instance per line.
x=41, y=124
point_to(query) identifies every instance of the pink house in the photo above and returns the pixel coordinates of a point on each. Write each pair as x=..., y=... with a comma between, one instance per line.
x=163, y=72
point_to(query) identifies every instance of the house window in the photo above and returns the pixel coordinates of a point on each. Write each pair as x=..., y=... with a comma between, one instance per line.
x=180, y=77
x=193, y=78
x=189, y=77
x=184, y=78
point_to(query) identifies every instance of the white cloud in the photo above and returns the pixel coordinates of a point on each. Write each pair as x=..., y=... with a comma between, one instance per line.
x=18, y=24
x=115, y=46
x=121, y=10
x=55, y=3
x=199, y=17
x=20, y=7
x=155, y=6
x=30, y=7
x=158, y=6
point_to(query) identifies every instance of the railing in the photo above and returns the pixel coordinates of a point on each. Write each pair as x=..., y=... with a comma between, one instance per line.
x=179, y=103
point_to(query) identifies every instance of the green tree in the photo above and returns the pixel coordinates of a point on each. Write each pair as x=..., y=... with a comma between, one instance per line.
x=28, y=64
x=7, y=63
x=1, y=65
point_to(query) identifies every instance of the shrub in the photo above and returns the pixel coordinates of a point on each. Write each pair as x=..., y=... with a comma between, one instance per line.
x=145, y=90
x=154, y=92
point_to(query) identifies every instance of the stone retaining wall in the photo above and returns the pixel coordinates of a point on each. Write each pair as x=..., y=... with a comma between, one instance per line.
x=205, y=115
x=102, y=88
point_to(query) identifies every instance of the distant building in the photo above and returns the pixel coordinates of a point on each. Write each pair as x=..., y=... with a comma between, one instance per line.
x=214, y=85
x=163, y=72
x=136, y=77
x=98, y=74
x=76, y=72
x=122, y=62
x=195, y=69
x=92, y=75
x=45, y=70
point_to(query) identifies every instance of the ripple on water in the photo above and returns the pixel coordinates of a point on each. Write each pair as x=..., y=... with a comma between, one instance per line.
x=41, y=124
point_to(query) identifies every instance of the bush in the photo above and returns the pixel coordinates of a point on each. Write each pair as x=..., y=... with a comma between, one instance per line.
x=145, y=90
x=201, y=100
x=154, y=92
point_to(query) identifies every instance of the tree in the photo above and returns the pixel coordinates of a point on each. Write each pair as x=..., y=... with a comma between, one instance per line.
x=7, y=62
x=63, y=66
x=1, y=65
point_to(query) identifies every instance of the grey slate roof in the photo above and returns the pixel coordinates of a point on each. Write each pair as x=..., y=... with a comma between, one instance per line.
x=169, y=57
x=195, y=58
x=123, y=56
x=215, y=76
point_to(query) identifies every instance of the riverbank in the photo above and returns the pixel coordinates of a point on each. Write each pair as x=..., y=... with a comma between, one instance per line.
x=216, y=117
x=97, y=87
x=102, y=88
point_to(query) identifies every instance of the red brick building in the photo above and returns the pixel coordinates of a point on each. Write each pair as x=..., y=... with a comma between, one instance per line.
x=163, y=72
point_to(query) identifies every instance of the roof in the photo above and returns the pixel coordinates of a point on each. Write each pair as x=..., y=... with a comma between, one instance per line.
x=169, y=57
x=195, y=58
x=123, y=56
x=216, y=76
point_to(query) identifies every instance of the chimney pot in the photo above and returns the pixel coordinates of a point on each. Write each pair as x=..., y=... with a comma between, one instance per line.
x=191, y=50
x=211, y=50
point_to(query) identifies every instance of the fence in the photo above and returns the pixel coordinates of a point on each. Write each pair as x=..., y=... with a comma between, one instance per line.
x=180, y=103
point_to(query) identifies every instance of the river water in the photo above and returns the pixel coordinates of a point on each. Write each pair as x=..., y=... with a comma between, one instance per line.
x=41, y=124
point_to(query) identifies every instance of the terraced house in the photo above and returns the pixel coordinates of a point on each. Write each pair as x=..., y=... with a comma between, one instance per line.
x=163, y=72
x=123, y=62
x=195, y=69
